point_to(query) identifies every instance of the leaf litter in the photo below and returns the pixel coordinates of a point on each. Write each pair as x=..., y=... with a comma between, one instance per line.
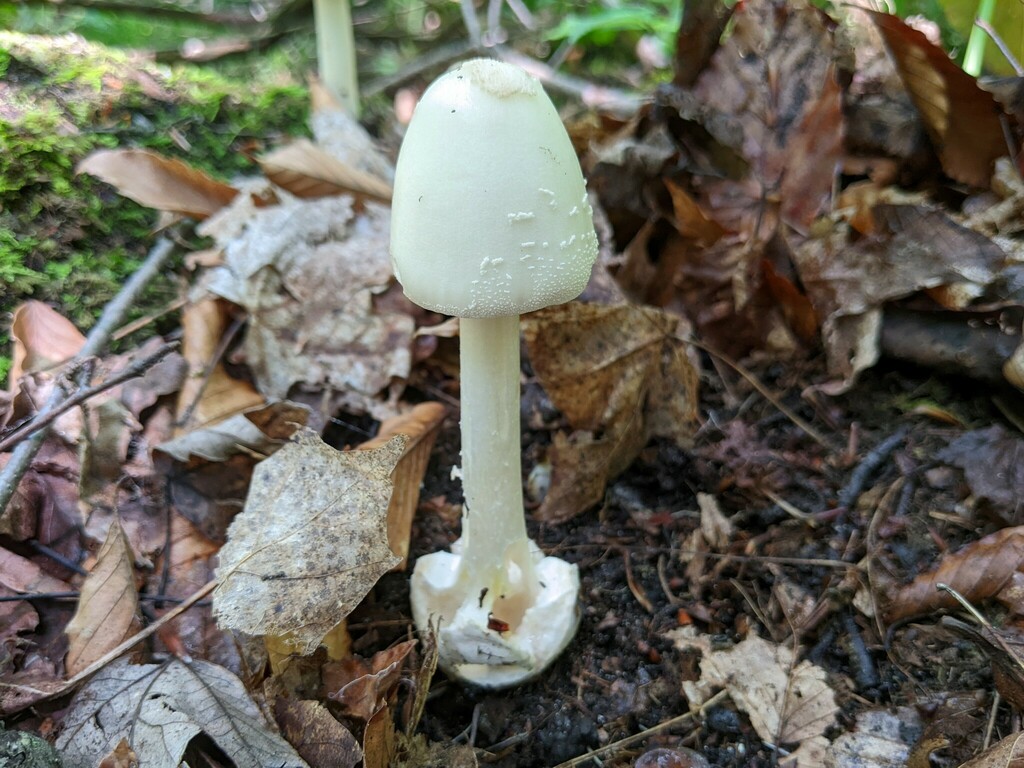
x=753, y=207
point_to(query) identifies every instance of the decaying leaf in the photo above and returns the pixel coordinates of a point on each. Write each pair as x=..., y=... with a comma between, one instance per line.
x=108, y=607
x=310, y=542
x=317, y=736
x=1008, y=753
x=879, y=739
x=20, y=576
x=307, y=272
x=362, y=687
x=259, y=430
x=159, y=182
x=993, y=463
x=787, y=702
x=308, y=171
x=420, y=426
x=160, y=709
x=987, y=568
x=618, y=370
x=962, y=119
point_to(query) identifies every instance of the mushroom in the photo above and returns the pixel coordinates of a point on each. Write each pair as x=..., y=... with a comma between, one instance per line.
x=490, y=219
x=336, y=51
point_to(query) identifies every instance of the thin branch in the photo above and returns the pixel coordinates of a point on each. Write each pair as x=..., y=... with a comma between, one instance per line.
x=44, y=420
x=156, y=9
x=95, y=342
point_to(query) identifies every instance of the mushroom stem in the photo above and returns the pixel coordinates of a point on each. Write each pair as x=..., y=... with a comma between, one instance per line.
x=336, y=51
x=495, y=548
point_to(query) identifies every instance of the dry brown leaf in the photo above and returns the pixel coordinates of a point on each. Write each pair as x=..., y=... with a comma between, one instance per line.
x=962, y=120
x=307, y=171
x=121, y=756
x=989, y=567
x=1008, y=753
x=21, y=576
x=362, y=687
x=619, y=370
x=380, y=740
x=690, y=219
x=787, y=702
x=310, y=542
x=160, y=709
x=41, y=339
x=159, y=182
x=209, y=395
x=317, y=736
x=108, y=606
x=420, y=427
x=254, y=432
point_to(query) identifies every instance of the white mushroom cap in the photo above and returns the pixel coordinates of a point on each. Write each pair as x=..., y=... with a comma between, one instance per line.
x=490, y=214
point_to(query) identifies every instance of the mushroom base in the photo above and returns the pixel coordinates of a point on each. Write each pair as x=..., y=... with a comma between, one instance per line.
x=475, y=645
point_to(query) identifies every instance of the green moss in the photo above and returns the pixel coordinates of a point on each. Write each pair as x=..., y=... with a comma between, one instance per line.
x=71, y=240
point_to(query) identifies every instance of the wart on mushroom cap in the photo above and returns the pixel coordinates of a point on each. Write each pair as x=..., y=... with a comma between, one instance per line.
x=490, y=219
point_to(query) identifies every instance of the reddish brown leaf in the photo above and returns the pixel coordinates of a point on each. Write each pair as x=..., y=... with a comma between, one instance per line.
x=990, y=567
x=159, y=182
x=121, y=756
x=108, y=607
x=319, y=739
x=814, y=154
x=962, y=120
x=361, y=687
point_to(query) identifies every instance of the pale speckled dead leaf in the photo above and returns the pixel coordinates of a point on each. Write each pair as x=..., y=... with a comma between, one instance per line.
x=621, y=371
x=158, y=182
x=310, y=543
x=108, y=606
x=787, y=702
x=307, y=271
x=160, y=708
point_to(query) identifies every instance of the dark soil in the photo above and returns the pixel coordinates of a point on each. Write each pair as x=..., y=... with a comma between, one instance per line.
x=622, y=675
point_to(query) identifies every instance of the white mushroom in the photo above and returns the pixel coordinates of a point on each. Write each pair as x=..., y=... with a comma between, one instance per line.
x=490, y=219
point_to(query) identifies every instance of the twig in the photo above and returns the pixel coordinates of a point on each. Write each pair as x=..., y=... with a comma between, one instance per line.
x=764, y=392
x=95, y=342
x=1004, y=49
x=142, y=322
x=850, y=492
x=623, y=743
x=598, y=96
x=44, y=420
x=76, y=595
x=433, y=59
x=110, y=656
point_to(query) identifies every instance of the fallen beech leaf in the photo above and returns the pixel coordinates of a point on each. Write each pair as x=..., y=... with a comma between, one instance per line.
x=317, y=736
x=962, y=120
x=310, y=543
x=307, y=171
x=420, y=426
x=989, y=567
x=787, y=702
x=160, y=708
x=993, y=463
x=108, y=606
x=158, y=182
x=41, y=338
x=258, y=430
x=621, y=371
x=362, y=687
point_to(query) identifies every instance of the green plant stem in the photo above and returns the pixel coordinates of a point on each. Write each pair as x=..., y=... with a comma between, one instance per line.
x=336, y=51
x=974, y=56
